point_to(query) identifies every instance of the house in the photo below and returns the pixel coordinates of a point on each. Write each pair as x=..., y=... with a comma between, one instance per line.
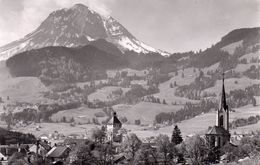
x=44, y=137
x=8, y=150
x=58, y=153
x=2, y=157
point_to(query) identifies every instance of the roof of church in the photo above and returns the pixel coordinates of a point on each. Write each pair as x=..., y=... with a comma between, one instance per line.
x=223, y=102
x=114, y=120
x=217, y=130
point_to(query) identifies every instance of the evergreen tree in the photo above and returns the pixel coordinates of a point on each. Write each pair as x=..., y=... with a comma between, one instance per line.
x=171, y=86
x=164, y=102
x=254, y=101
x=2, y=140
x=175, y=83
x=176, y=136
x=72, y=120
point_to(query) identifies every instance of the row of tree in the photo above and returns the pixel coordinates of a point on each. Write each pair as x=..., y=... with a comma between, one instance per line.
x=188, y=111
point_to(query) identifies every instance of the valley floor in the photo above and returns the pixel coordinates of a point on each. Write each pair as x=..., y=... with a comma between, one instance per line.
x=196, y=125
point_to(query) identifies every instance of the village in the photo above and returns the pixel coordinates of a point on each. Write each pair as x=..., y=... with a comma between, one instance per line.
x=112, y=143
x=95, y=82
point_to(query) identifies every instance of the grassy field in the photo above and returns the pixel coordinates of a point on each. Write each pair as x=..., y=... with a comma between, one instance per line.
x=200, y=124
x=230, y=84
x=131, y=72
x=231, y=47
x=144, y=111
x=167, y=93
x=82, y=84
x=21, y=89
x=197, y=125
x=103, y=93
x=250, y=55
x=243, y=67
x=63, y=128
x=81, y=115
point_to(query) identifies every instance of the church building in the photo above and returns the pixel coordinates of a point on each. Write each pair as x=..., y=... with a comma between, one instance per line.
x=219, y=134
x=112, y=129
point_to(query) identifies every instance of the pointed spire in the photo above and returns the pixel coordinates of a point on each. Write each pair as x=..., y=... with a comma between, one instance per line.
x=223, y=103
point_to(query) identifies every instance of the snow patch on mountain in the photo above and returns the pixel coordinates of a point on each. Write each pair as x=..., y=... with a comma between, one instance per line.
x=77, y=26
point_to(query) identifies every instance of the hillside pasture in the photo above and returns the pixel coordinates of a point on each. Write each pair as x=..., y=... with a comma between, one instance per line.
x=130, y=72
x=243, y=67
x=82, y=84
x=241, y=83
x=144, y=111
x=104, y=93
x=168, y=93
x=20, y=89
x=200, y=124
x=81, y=115
x=62, y=128
x=232, y=47
x=250, y=55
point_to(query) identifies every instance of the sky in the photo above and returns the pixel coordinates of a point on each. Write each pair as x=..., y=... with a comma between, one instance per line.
x=170, y=25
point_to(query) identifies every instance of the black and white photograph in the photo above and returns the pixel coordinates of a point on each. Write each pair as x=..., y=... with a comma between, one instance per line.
x=129, y=82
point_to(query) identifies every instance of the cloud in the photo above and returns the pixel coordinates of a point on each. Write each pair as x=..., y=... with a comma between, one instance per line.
x=15, y=24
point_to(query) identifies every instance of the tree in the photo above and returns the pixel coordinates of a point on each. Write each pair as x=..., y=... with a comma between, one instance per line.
x=64, y=120
x=131, y=145
x=72, y=120
x=98, y=135
x=164, y=102
x=145, y=154
x=254, y=101
x=196, y=149
x=201, y=74
x=175, y=83
x=165, y=148
x=84, y=153
x=2, y=140
x=171, y=86
x=176, y=136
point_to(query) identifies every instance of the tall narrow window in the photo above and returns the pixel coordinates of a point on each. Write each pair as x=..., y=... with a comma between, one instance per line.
x=221, y=121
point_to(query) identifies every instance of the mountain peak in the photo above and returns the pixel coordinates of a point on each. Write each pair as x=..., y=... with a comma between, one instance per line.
x=74, y=27
x=81, y=8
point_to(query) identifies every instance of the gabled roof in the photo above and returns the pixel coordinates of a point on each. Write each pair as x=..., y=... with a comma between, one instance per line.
x=216, y=130
x=57, y=152
x=114, y=120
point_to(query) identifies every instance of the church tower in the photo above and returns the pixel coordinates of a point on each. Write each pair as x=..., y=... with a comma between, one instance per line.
x=222, y=111
x=219, y=134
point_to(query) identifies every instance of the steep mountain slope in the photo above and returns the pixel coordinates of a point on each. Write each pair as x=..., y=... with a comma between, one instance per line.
x=77, y=26
x=227, y=51
x=66, y=64
x=248, y=35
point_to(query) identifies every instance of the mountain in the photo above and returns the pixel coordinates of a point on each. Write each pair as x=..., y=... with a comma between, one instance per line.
x=247, y=35
x=67, y=64
x=77, y=26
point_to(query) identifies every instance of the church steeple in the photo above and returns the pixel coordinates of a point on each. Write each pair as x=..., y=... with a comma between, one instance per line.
x=219, y=135
x=223, y=102
x=223, y=112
